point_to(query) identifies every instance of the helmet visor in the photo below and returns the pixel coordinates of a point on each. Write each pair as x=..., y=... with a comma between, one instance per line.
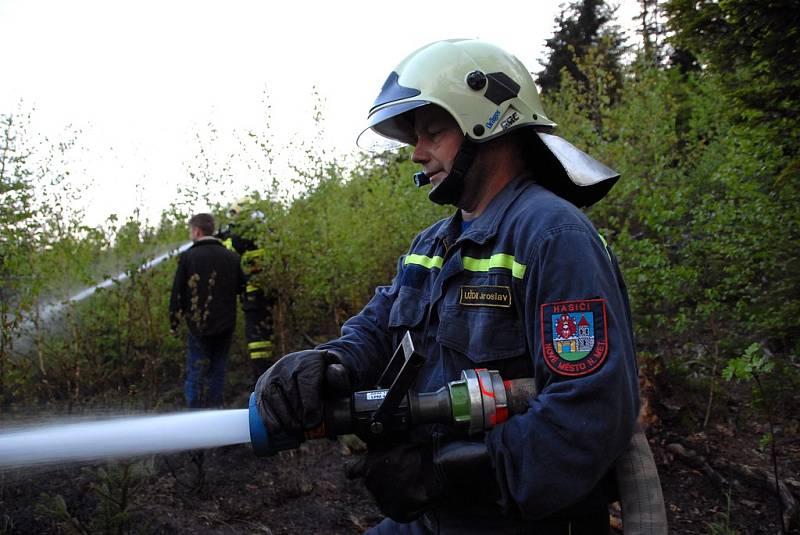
x=390, y=128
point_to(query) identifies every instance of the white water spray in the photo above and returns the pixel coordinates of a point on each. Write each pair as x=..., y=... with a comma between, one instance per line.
x=123, y=437
x=49, y=310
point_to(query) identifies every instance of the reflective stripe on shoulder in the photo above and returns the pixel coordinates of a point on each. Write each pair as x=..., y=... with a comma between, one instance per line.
x=605, y=244
x=424, y=261
x=252, y=254
x=500, y=260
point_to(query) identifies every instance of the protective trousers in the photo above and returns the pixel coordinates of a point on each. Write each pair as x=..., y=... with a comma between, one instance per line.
x=258, y=329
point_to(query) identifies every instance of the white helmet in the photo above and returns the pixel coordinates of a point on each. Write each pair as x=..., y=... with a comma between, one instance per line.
x=245, y=204
x=485, y=89
x=489, y=92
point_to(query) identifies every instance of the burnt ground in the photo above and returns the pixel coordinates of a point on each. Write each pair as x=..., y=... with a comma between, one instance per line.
x=229, y=491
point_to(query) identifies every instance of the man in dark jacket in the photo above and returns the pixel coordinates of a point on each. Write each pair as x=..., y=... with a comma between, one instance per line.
x=207, y=281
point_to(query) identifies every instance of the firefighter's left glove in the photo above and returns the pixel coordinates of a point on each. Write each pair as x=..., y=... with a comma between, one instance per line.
x=408, y=479
x=401, y=478
x=290, y=394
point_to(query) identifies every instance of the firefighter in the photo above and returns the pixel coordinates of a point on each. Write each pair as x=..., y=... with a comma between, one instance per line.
x=257, y=303
x=516, y=280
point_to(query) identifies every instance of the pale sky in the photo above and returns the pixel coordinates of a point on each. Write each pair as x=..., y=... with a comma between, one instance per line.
x=141, y=78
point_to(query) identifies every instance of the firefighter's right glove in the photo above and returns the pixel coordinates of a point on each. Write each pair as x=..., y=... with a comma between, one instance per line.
x=289, y=395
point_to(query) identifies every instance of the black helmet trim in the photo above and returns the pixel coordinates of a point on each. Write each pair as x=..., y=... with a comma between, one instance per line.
x=392, y=91
x=501, y=88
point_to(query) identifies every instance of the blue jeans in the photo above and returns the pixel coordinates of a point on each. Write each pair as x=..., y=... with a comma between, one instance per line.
x=206, y=360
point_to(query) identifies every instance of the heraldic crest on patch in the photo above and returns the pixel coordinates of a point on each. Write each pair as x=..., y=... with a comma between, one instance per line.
x=574, y=336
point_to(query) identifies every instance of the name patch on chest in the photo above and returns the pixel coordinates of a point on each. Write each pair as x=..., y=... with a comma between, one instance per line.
x=485, y=296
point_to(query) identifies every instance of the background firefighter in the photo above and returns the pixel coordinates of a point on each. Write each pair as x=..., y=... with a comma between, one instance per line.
x=257, y=303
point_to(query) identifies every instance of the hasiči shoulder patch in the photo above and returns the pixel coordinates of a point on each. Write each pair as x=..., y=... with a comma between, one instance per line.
x=574, y=336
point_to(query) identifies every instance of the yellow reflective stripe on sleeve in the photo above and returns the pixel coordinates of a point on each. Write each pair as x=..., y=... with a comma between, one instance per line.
x=228, y=243
x=261, y=349
x=247, y=255
x=605, y=244
x=252, y=288
x=500, y=260
x=424, y=261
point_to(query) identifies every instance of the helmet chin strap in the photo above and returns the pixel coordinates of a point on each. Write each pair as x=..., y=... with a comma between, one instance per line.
x=451, y=189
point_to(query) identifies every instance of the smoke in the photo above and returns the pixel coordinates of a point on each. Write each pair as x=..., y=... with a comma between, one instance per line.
x=49, y=313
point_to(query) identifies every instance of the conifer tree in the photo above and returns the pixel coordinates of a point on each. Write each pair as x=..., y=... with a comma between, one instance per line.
x=583, y=26
x=753, y=45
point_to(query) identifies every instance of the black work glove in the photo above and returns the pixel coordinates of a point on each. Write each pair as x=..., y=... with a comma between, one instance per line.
x=408, y=479
x=401, y=478
x=289, y=395
x=465, y=470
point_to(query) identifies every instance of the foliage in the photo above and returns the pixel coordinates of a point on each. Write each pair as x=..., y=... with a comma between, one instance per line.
x=34, y=196
x=584, y=27
x=754, y=362
x=723, y=525
x=56, y=508
x=755, y=44
x=116, y=490
x=756, y=365
x=16, y=247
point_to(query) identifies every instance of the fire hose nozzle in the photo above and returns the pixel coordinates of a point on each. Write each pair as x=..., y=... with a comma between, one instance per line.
x=264, y=443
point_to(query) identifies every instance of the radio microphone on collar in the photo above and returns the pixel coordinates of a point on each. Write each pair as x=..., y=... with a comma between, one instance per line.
x=421, y=179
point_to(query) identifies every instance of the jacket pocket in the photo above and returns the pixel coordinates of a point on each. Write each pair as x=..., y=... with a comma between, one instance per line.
x=482, y=334
x=408, y=309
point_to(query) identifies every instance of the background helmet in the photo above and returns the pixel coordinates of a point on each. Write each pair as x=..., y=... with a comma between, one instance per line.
x=236, y=207
x=487, y=91
x=246, y=204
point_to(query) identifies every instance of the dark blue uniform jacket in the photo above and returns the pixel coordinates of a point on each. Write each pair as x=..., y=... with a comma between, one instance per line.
x=531, y=290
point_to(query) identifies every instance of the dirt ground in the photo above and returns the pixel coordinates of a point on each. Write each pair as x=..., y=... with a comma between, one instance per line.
x=229, y=491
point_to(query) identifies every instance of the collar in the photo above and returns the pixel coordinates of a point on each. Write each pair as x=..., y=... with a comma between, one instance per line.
x=485, y=226
x=206, y=240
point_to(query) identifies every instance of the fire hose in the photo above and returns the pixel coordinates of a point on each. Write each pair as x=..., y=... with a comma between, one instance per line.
x=475, y=403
